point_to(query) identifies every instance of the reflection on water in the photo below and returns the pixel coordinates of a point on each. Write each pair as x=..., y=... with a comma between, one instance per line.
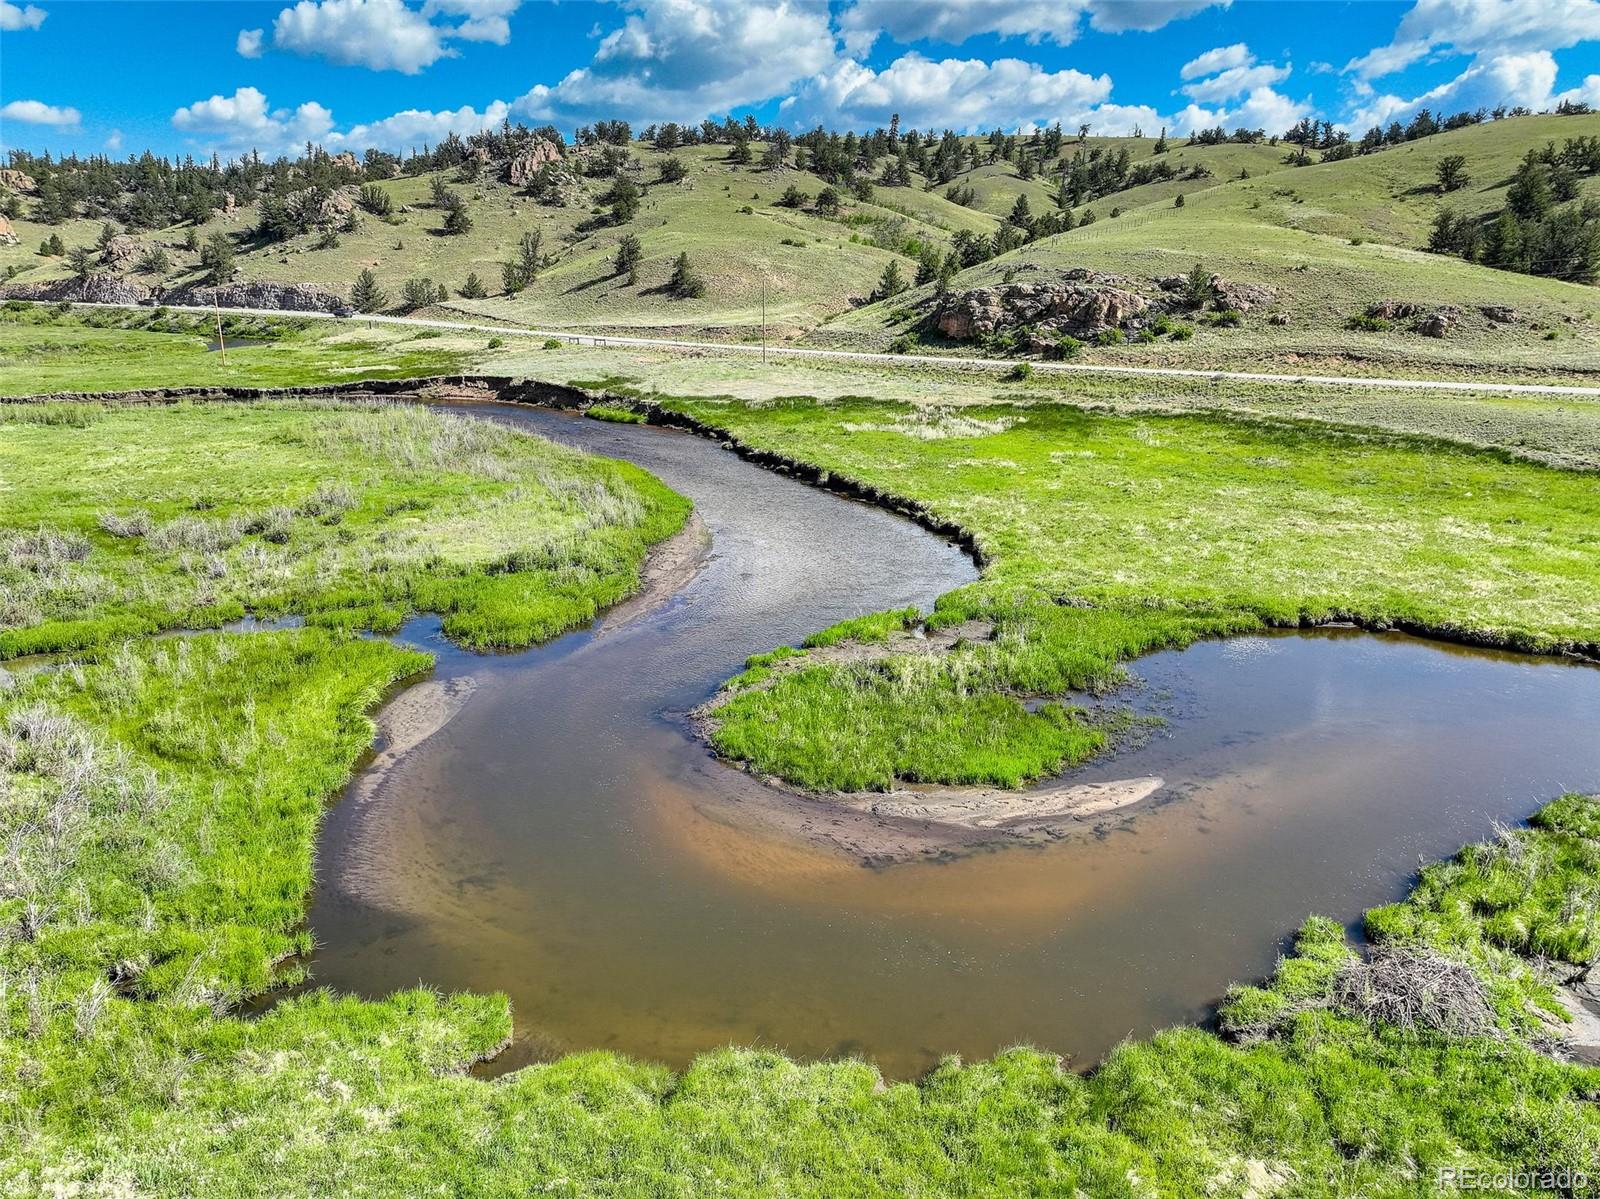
x=563, y=839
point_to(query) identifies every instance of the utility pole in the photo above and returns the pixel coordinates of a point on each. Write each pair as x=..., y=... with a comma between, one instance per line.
x=222, y=345
x=763, y=318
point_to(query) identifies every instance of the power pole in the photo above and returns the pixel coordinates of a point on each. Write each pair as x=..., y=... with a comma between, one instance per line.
x=222, y=345
x=763, y=319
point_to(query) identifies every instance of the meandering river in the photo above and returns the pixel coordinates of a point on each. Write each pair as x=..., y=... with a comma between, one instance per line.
x=565, y=839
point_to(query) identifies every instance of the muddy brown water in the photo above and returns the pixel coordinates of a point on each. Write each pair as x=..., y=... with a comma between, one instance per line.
x=565, y=840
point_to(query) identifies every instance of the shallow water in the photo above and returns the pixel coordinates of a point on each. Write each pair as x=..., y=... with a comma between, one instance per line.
x=563, y=839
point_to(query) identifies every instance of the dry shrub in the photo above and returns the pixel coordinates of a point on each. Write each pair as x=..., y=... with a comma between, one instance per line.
x=1415, y=989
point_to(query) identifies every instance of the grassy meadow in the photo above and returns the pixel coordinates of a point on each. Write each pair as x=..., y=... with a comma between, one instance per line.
x=44, y=350
x=122, y=521
x=1110, y=534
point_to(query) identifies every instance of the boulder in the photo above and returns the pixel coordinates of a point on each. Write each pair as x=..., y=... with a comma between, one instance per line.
x=1394, y=310
x=347, y=160
x=230, y=206
x=8, y=235
x=1278, y=318
x=313, y=206
x=18, y=181
x=98, y=288
x=288, y=297
x=1439, y=322
x=1501, y=314
x=1080, y=307
x=1241, y=297
x=120, y=253
x=521, y=169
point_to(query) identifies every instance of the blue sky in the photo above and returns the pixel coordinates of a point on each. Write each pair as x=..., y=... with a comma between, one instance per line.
x=204, y=75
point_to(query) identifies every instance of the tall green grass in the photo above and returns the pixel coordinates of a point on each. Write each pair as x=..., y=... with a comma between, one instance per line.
x=1110, y=535
x=136, y=520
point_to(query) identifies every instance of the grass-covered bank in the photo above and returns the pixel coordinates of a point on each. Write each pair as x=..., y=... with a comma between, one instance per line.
x=63, y=347
x=1108, y=535
x=119, y=522
x=171, y=879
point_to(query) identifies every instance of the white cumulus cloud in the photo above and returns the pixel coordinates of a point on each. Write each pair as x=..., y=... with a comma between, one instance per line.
x=1527, y=79
x=235, y=125
x=14, y=17
x=36, y=112
x=248, y=43
x=684, y=60
x=955, y=93
x=1120, y=16
x=1494, y=27
x=954, y=21
x=382, y=34
x=1223, y=58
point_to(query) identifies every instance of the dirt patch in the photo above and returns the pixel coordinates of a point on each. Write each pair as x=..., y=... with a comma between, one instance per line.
x=668, y=569
x=1578, y=1039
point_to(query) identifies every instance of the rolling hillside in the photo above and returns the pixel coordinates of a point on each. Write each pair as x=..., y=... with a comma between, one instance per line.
x=1328, y=240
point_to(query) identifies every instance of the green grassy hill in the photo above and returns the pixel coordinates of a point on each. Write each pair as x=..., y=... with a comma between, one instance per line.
x=1329, y=239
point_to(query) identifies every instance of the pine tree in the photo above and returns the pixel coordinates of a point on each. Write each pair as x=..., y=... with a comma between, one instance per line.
x=81, y=260
x=1452, y=172
x=473, y=288
x=1529, y=194
x=218, y=259
x=365, y=294
x=685, y=284
x=376, y=201
x=417, y=293
x=891, y=283
x=629, y=254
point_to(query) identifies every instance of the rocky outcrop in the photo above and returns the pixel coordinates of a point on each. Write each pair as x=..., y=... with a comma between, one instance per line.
x=8, y=235
x=521, y=169
x=1439, y=322
x=1226, y=293
x=120, y=253
x=347, y=160
x=18, y=181
x=1501, y=314
x=313, y=206
x=96, y=289
x=1086, y=304
x=287, y=297
x=1241, y=297
x=1394, y=310
x=230, y=206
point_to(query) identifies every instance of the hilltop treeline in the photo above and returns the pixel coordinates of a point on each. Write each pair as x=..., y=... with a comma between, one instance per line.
x=149, y=191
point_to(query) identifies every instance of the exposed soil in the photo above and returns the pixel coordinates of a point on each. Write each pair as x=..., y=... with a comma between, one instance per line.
x=669, y=567
x=405, y=722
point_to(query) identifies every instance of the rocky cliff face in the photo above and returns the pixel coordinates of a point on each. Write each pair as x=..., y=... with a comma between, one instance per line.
x=96, y=289
x=289, y=297
x=521, y=169
x=1081, y=307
